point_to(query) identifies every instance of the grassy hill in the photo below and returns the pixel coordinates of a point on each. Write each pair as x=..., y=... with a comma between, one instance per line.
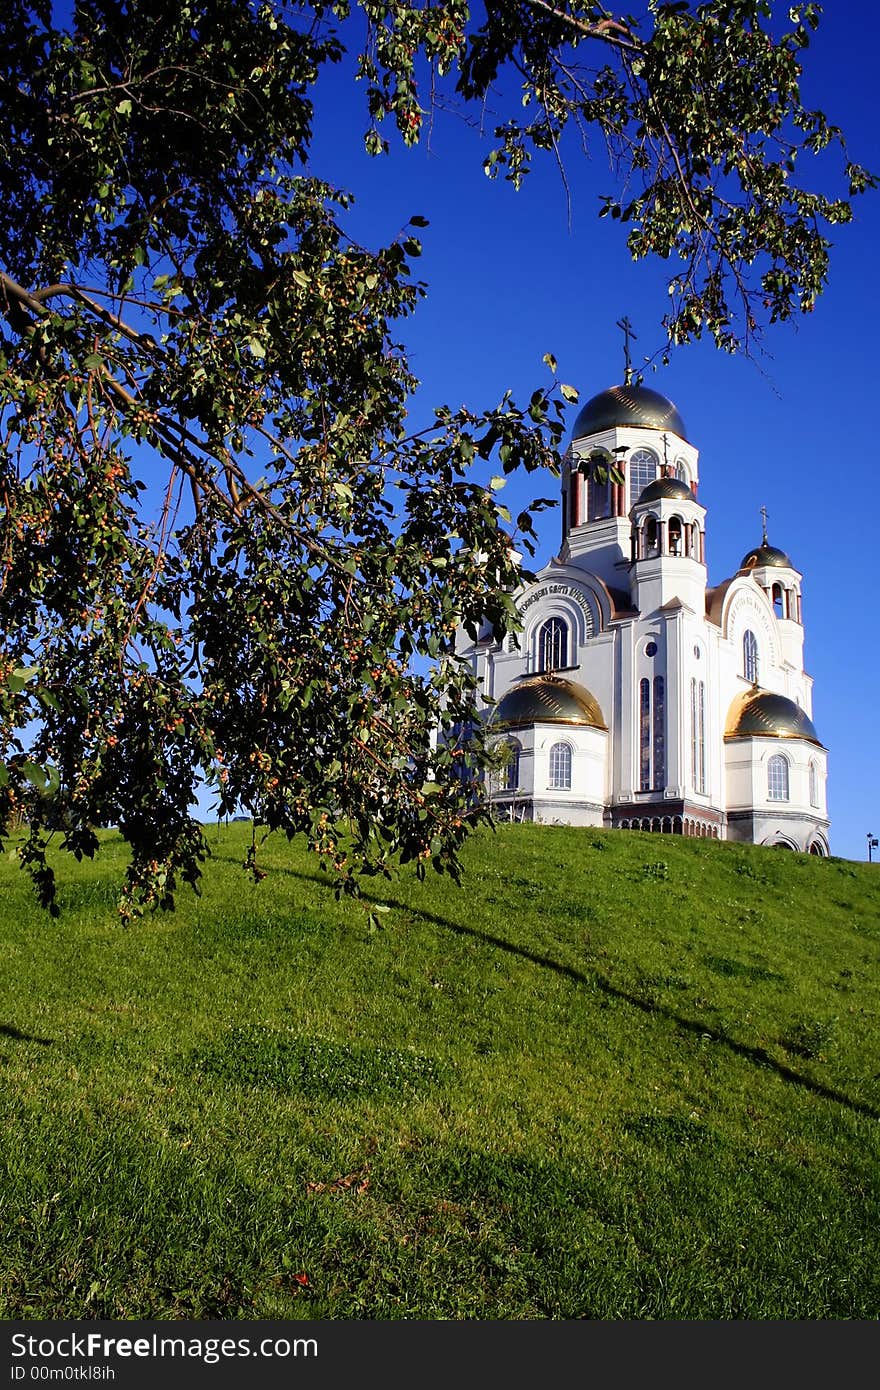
x=614, y=1076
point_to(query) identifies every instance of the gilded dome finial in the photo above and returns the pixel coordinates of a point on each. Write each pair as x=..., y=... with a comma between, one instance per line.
x=764, y=525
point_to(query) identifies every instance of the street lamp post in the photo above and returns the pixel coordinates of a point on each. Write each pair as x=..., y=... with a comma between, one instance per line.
x=872, y=844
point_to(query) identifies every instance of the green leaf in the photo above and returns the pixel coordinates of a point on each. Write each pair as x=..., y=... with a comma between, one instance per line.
x=35, y=774
x=18, y=679
x=570, y=393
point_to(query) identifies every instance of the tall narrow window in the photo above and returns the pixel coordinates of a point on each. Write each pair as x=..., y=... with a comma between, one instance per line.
x=574, y=493
x=599, y=505
x=659, y=732
x=553, y=645
x=702, y=725
x=814, y=785
x=777, y=778
x=645, y=735
x=778, y=601
x=698, y=734
x=750, y=657
x=560, y=766
x=642, y=471
x=511, y=778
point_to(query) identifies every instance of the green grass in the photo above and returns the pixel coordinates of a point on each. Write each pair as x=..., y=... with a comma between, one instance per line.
x=614, y=1076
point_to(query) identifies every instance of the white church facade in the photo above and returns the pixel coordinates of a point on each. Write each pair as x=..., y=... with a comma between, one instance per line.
x=636, y=696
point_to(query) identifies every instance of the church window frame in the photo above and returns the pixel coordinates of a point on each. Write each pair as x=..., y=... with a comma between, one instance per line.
x=751, y=662
x=511, y=771
x=559, y=767
x=698, y=735
x=676, y=534
x=642, y=469
x=575, y=495
x=659, y=734
x=814, y=783
x=644, y=735
x=778, y=782
x=777, y=598
x=599, y=496
x=553, y=644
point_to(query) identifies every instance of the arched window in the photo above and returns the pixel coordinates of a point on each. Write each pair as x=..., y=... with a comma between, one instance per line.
x=777, y=778
x=778, y=601
x=560, y=767
x=814, y=785
x=642, y=471
x=681, y=472
x=645, y=735
x=659, y=732
x=510, y=779
x=650, y=534
x=553, y=645
x=750, y=656
x=698, y=734
x=675, y=536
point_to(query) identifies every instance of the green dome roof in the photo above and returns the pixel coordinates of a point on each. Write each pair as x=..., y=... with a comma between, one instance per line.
x=547, y=699
x=628, y=405
x=766, y=555
x=763, y=714
x=666, y=487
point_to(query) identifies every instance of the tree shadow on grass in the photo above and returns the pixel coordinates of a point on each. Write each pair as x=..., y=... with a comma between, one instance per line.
x=8, y=1031
x=759, y=1056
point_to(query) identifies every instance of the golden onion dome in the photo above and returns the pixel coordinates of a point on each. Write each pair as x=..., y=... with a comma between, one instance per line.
x=628, y=405
x=547, y=699
x=763, y=714
x=766, y=555
x=673, y=488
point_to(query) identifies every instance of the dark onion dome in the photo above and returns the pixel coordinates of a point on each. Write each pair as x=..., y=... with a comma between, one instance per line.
x=763, y=714
x=673, y=488
x=766, y=555
x=628, y=405
x=547, y=699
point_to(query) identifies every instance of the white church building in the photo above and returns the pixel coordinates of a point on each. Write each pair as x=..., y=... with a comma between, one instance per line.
x=636, y=696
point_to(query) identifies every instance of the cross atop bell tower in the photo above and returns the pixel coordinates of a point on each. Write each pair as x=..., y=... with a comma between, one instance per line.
x=626, y=327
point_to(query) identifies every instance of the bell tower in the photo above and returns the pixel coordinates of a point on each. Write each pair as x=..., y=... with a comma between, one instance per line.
x=636, y=434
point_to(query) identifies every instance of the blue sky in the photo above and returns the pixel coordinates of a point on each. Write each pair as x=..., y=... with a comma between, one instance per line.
x=509, y=279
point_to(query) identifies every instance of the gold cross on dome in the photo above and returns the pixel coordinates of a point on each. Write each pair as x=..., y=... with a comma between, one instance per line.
x=764, y=524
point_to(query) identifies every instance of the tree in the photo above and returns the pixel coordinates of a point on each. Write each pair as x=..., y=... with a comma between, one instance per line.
x=181, y=305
